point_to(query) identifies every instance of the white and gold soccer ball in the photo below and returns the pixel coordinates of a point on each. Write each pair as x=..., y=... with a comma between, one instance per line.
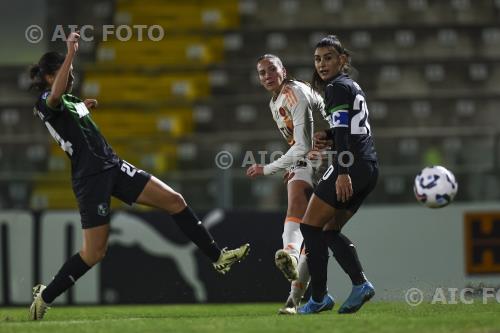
x=435, y=186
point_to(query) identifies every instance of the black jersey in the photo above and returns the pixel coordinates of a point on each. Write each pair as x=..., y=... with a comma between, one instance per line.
x=347, y=113
x=72, y=127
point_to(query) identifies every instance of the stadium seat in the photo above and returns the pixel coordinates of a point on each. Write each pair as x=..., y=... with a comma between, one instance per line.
x=429, y=69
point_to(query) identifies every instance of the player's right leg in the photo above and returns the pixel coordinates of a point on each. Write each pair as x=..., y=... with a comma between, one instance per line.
x=299, y=188
x=93, y=195
x=93, y=251
x=298, y=287
x=325, y=304
x=318, y=213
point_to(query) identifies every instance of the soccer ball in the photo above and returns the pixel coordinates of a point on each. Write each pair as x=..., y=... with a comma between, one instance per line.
x=435, y=187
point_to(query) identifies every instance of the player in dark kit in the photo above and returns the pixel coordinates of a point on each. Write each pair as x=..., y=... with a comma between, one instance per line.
x=97, y=174
x=346, y=183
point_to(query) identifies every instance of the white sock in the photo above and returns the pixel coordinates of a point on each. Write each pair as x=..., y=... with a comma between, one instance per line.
x=292, y=237
x=299, y=286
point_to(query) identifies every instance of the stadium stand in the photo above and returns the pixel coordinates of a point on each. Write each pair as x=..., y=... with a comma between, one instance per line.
x=430, y=69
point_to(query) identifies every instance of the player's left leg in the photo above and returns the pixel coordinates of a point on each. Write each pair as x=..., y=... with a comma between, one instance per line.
x=364, y=177
x=346, y=255
x=159, y=195
x=343, y=249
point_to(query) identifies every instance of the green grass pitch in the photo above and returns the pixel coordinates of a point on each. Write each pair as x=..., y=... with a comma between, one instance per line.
x=240, y=318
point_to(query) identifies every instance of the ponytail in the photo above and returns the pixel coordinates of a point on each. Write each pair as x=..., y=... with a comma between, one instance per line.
x=48, y=64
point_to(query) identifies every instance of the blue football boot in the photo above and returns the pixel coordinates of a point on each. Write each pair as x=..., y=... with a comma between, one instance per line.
x=316, y=307
x=359, y=295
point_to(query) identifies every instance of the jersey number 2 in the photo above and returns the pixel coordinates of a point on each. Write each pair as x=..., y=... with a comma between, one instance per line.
x=128, y=169
x=359, y=123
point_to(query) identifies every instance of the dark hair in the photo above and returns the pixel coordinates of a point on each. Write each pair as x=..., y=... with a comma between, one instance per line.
x=331, y=41
x=48, y=64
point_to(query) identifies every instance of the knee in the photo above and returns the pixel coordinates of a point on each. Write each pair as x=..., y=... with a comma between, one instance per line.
x=336, y=224
x=333, y=226
x=93, y=256
x=175, y=204
x=330, y=235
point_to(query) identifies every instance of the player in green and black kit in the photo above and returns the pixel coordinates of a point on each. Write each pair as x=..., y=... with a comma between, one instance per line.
x=345, y=185
x=97, y=174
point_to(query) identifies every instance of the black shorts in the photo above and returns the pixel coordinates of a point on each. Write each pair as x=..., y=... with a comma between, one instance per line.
x=93, y=193
x=364, y=175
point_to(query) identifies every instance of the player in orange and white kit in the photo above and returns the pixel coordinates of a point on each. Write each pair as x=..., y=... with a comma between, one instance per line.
x=292, y=105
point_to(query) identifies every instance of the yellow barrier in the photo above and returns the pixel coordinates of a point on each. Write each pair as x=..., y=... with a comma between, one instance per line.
x=143, y=88
x=180, y=15
x=170, y=51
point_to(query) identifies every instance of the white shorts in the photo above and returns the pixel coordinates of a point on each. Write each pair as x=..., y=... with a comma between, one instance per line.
x=301, y=170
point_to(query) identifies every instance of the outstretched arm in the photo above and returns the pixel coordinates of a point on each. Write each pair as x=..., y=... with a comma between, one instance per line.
x=61, y=80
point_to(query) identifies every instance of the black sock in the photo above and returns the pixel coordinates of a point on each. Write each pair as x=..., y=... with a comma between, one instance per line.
x=317, y=260
x=192, y=227
x=346, y=255
x=71, y=271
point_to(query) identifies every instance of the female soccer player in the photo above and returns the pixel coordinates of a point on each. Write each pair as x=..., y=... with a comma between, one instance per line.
x=292, y=104
x=97, y=174
x=345, y=184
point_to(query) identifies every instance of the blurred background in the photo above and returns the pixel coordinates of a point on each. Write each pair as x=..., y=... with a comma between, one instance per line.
x=430, y=70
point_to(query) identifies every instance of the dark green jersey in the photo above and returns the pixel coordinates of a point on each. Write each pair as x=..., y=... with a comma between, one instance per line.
x=347, y=114
x=72, y=127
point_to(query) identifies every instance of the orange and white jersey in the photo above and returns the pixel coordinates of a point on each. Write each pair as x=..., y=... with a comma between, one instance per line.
x=292, y=111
